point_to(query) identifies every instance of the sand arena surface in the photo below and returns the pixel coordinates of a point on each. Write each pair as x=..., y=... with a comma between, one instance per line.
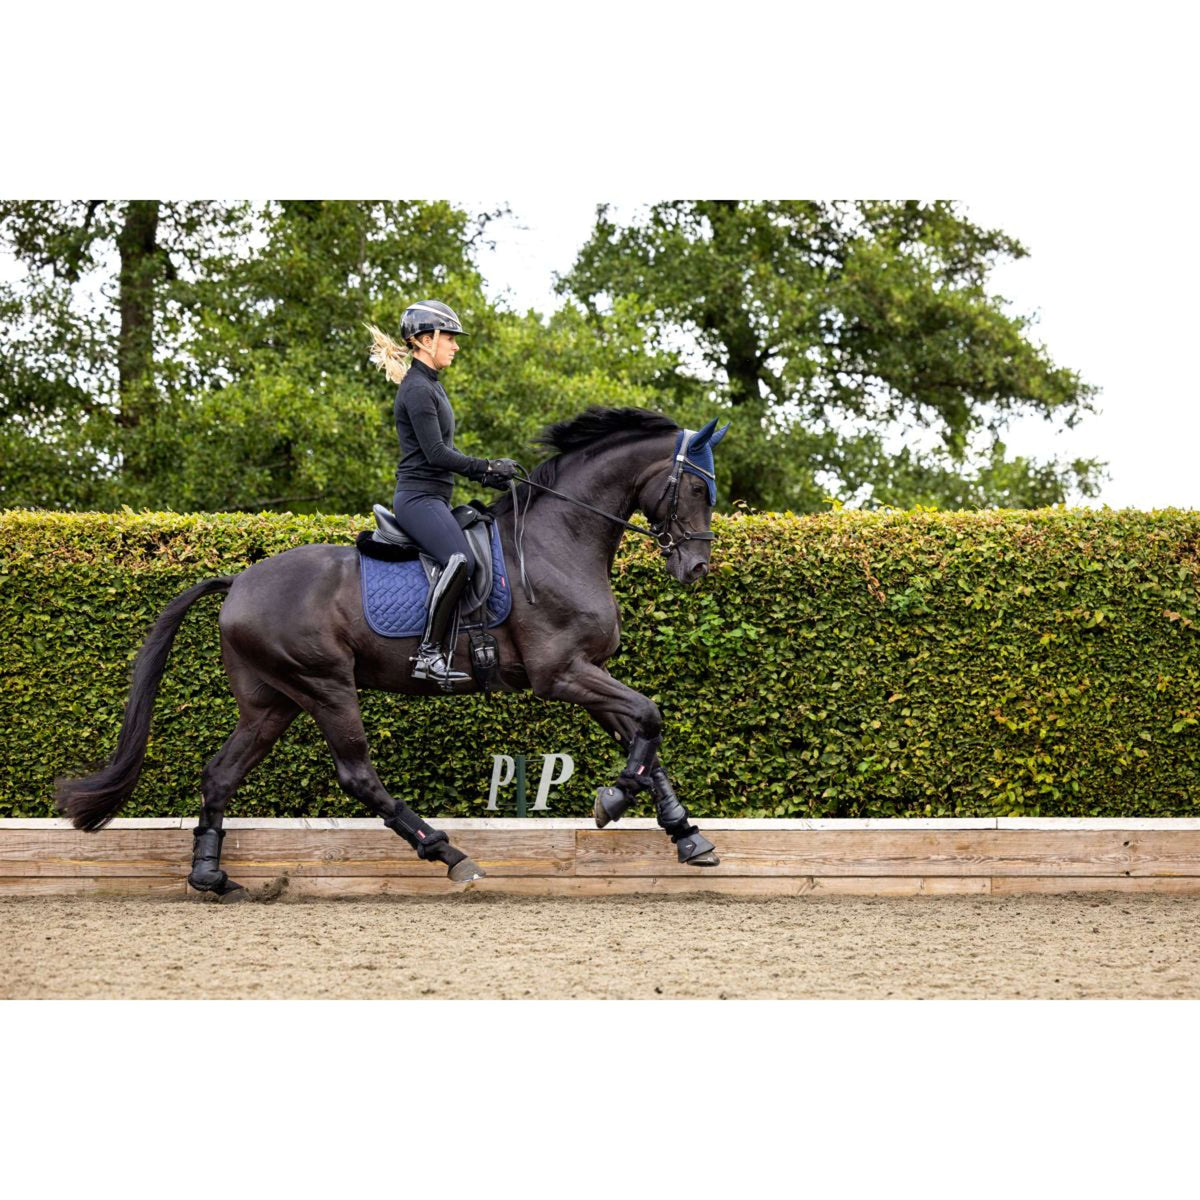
x=489, y=946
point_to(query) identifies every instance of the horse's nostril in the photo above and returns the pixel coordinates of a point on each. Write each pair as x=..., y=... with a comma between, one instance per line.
x=699, y=570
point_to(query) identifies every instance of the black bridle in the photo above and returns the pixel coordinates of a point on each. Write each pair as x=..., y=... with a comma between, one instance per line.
x=660, y=531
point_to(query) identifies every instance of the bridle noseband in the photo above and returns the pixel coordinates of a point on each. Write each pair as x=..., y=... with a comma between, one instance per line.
x=660, y=531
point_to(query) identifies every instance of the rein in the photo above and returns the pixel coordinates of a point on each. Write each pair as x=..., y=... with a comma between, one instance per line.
x=668, y=542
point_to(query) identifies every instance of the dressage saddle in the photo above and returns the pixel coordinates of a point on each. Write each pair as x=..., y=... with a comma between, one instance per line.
x=390, y=542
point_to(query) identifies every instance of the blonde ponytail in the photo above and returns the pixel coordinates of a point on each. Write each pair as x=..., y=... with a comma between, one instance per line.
x=391, y=359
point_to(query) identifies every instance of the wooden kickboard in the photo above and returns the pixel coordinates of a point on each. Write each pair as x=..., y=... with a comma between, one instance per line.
x=561, y=858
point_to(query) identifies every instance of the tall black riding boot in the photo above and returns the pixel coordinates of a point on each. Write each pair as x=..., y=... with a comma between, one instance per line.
x=433, y=655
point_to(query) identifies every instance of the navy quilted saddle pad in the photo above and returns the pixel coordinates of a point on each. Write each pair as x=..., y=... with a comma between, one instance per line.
x=394, y=594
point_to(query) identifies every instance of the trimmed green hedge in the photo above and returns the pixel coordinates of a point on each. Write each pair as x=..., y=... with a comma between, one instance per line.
x=853, y=664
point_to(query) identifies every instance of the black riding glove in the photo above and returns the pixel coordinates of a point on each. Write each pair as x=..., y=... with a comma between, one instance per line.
x=499, y=473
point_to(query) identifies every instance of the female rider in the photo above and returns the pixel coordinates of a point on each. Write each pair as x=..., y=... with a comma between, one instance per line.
x=428, y=461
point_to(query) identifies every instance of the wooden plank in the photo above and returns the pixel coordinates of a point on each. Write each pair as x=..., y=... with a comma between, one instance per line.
x=865, y=853
x=535, y=850
x=1121, y=823
x=120, y=852
x=748, y=886
x=258, y=853
x=1157, y=852
x=331, y=887
x=267, y=852
x=7, y=823
x=117, y=885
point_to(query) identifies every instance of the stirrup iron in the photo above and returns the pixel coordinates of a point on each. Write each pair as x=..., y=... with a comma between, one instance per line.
x=430, y=663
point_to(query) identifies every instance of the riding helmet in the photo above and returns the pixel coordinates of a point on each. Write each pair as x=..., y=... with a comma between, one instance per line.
x=427, y=316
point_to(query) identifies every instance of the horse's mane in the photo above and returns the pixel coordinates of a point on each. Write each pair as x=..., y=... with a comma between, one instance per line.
x=589, y=427
x=588, y=430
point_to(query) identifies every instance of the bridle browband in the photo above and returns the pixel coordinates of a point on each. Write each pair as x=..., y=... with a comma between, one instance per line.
x=660, y=531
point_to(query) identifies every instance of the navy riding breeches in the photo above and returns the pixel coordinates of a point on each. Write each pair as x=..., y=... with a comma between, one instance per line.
x=428, y=521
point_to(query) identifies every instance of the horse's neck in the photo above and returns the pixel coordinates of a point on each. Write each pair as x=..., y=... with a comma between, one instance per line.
x=619, y=483
x=621, y=476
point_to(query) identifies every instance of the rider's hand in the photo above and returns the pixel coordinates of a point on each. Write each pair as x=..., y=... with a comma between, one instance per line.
x=499, y=473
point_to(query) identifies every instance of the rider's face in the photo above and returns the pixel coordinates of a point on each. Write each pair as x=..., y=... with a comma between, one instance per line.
x=446, y=349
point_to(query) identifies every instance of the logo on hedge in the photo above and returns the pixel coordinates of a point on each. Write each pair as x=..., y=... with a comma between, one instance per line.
x=509, y=771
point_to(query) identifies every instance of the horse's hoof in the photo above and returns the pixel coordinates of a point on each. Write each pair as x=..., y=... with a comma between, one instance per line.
x=610, y=805
x=233, y=893
x=696, y=850
x=465, y=871
x=602, y=818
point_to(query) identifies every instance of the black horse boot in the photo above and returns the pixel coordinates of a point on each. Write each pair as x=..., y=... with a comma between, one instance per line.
x=206, y=874
x=433, y=656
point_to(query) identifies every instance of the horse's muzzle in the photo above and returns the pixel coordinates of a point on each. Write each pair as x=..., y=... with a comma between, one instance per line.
x=687, y=573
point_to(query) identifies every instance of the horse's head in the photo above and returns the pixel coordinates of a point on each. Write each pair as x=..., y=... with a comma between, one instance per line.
x=682, y=519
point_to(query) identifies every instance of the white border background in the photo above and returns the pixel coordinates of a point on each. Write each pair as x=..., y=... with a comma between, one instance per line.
x=1046, y=106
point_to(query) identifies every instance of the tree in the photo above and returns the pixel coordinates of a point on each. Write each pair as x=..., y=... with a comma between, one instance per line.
x=518, y=373
x=836, y=334
x=212, y=356
x=291, y=413
x=85, y=335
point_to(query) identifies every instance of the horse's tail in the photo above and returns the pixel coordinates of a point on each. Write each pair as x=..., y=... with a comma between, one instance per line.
x=91, y=802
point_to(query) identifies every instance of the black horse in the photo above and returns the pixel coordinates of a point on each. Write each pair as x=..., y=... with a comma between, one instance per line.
x=294, y=637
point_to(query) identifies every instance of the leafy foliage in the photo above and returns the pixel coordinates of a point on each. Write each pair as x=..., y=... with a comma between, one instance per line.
x=205, y=356
x=260, y=395
x=852, y=664
x=840, y=330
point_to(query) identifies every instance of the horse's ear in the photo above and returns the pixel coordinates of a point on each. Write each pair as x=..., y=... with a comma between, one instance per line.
x=716, y=437
x=700, y=439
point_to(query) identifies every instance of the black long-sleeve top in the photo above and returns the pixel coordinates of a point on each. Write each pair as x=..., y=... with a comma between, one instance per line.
x=425, y=427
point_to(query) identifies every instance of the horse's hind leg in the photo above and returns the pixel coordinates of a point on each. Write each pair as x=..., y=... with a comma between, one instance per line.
x=340, y=720
x=263, y=717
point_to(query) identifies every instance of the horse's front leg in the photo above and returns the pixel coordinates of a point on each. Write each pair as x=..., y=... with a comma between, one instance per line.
x=636, y=722
x=693, y=847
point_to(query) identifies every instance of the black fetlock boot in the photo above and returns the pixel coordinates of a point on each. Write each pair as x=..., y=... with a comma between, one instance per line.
x=433, y=658
x=693, y=848
x=612, y=802
x=206, y=874
x=433, y=844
